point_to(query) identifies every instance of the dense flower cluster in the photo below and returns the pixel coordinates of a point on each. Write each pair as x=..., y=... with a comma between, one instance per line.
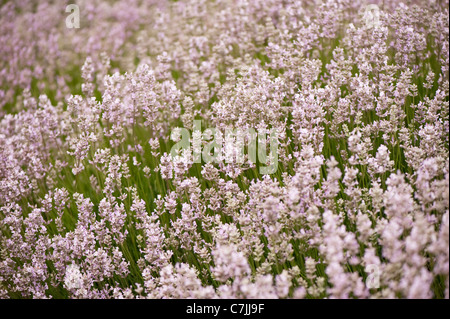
x=93, y=204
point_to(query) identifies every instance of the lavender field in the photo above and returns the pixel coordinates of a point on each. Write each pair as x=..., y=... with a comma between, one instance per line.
x=224, y=149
